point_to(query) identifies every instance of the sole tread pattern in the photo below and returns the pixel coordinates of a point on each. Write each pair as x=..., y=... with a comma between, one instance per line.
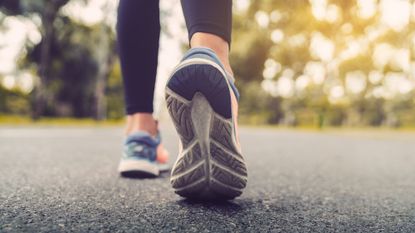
x=189, y=178
x=224, y=191
x=226, y=176
x=226, y=159
x=180, y=111
x=213, y=167
x=192, y=157
x=222, y=133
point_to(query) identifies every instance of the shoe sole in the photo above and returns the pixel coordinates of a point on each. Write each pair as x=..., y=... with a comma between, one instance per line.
x=138, y=169
x=209, y=166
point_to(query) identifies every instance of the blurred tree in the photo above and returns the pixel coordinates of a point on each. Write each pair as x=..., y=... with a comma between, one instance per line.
x=47, y=10
x=13, y=102
x=320, y=56
x=104, y=52
x=114, y=97
x=82, y=62
x=73, y=60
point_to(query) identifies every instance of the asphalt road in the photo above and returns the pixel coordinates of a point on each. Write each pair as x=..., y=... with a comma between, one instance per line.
x=65, y=179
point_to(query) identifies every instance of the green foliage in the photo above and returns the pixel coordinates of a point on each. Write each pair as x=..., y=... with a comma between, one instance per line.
x=114, y=97
x=258, y=107
x=13, y=102
x=313, y=106
x=73, y=69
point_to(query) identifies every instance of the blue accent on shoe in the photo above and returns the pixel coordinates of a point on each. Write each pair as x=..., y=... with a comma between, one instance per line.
x=141, y=146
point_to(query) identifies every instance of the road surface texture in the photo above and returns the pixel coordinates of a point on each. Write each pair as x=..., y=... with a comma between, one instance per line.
x=65, y=180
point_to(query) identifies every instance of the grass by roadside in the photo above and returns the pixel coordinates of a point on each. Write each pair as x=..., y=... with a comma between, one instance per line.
x=8, y=120
x=333, y=128
x=22, y=121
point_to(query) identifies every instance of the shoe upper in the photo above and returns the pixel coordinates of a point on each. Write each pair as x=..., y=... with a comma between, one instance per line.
x=203, y=102
x=209, y=54
x=141, y=146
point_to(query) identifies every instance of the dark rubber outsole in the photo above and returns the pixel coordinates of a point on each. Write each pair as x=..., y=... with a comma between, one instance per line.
x=137, y=175
x=210, y=165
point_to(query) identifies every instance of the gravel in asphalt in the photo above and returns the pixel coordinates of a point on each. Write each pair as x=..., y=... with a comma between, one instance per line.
x=65, y=180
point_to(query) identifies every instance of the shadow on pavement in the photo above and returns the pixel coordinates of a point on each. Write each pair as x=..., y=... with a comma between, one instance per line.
x=211, y=204
x=137, y=175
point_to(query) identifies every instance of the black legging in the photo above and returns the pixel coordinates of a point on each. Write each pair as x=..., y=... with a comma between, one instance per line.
x=138, y=30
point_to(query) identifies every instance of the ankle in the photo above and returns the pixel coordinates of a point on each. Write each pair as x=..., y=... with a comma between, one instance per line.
x=141, y=122
x=216, y=43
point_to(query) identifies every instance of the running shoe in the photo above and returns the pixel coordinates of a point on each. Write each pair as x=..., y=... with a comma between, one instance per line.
x=143, y=157
x=202, y=101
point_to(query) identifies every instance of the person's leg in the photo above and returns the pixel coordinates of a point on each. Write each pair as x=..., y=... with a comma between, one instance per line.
x=209, y=24
x=202, y=101
x=214, y=42
x=138, y=31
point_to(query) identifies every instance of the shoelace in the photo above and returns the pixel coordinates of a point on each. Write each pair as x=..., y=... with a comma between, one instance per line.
x=140, y=151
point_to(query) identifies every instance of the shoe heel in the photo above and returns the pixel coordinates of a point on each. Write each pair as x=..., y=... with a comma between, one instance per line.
x=206, y=79
x=209, y=166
